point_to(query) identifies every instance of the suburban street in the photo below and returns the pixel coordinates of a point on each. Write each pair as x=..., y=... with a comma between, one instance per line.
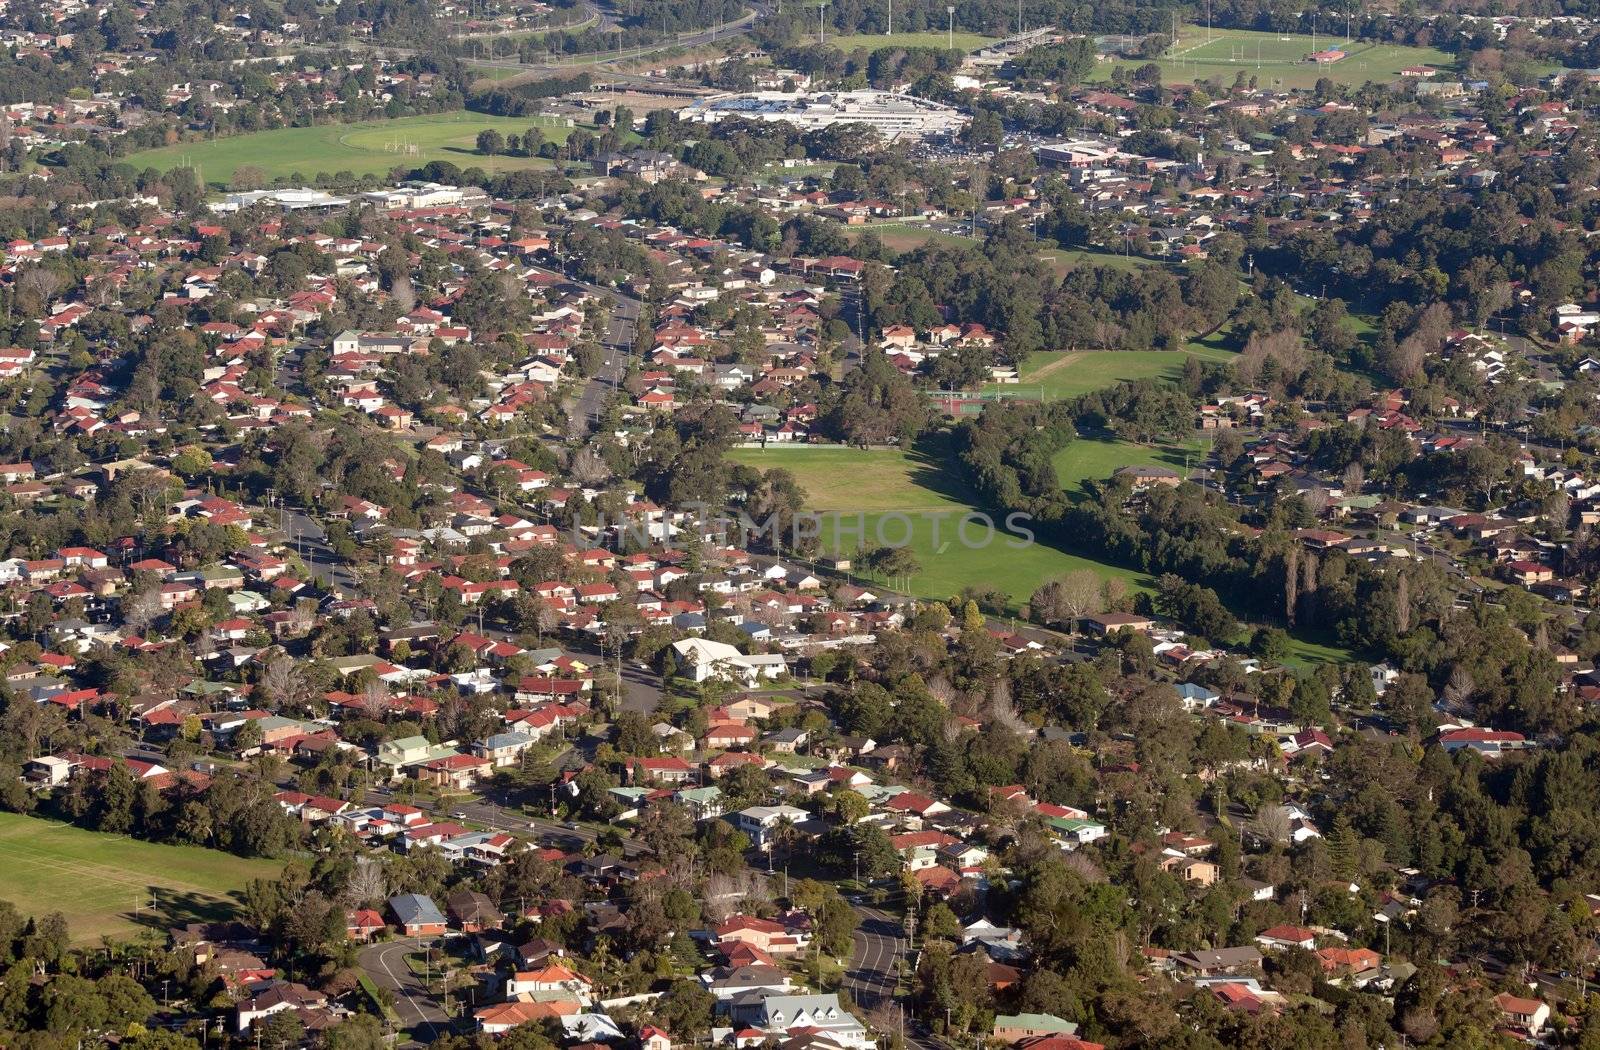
x=616, y=345
x=311, y=541
x=877, y=947
x=385, y=963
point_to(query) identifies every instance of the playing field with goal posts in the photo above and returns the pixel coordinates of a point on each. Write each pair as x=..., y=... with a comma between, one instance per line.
x=1282, y=60
x=369, y=148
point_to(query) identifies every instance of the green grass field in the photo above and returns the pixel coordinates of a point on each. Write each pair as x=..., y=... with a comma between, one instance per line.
x=1095, y=459
x=1064, y=259
x=361, y=149
x=879, y=41
x=907, y=236
x=1280, y=61
x=877, y=496
x=493, y=73
x=865, y=490
x=104, y=884
x=1058, y=375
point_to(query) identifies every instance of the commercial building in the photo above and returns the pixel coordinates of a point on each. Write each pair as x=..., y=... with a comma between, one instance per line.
x=891, y=115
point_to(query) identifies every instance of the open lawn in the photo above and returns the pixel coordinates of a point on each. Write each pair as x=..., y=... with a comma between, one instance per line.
x=1064, y=259
x=372, y=148
x=1054, y=375
x=907, y=236
x=872, y=497
x=869, y=497
x=493, y=73
x=104, y=884
x=1095, y=459
x=1280, y=61
x=879, y=41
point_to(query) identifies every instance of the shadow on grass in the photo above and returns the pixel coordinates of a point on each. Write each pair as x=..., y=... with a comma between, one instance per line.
x=178, y=907
x=933, y=466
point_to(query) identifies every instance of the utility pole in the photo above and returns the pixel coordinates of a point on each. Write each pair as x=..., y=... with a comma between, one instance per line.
x=950, y=31
x=890, y=30
x=822, y=34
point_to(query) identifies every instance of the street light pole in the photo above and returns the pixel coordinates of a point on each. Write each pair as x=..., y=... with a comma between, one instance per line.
x=950, y=32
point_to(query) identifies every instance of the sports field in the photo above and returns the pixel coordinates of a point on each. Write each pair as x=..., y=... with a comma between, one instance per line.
x=879, y=41
x=1055, y=375
x=908, y=236
x=1281, y=61
x=875, y=496
x=1096, y=459
x=372, y=148
x=105, y=884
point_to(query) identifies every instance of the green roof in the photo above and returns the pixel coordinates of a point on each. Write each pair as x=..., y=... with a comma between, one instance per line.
x=210, y=688
x=1036, y=1022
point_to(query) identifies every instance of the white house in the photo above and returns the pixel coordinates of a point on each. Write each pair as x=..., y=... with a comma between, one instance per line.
x=706, y=659
x=758, y=821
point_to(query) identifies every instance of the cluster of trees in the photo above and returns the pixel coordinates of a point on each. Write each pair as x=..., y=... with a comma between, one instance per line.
x=237, y=814
x=875, y=404
x=66, y=1006
x=1008, y=452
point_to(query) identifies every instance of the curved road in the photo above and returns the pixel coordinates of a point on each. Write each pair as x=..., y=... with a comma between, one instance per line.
x=385, y=963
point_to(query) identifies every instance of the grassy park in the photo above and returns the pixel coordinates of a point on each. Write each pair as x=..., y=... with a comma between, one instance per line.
x=902, y=491
x=1095, y=459
x=110, y=885
x=1054, y=375
x=371, y=148
x=908, y=236
x=918, y=497
x=1280, y=60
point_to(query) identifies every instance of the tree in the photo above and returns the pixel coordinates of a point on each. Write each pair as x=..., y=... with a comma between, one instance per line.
x=876, y=403
x=684, y=1009
x=850, y=806
x=358, y=1032
x=491, y=143
x=282, y=1030
x=282, y=683
x=127, y=1003
x=836, y=924
x=1066, y=599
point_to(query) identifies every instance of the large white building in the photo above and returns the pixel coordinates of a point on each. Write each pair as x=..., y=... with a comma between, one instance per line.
x=891, y=115
x=707, y=659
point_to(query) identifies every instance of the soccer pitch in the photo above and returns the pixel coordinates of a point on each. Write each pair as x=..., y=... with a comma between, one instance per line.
x=368, y=148
x=115, y=886
x=1281, y=60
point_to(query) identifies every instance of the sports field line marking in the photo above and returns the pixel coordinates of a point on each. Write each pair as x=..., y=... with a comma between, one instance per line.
x=102, y=872
x=1066, y=358
x=106, y=872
